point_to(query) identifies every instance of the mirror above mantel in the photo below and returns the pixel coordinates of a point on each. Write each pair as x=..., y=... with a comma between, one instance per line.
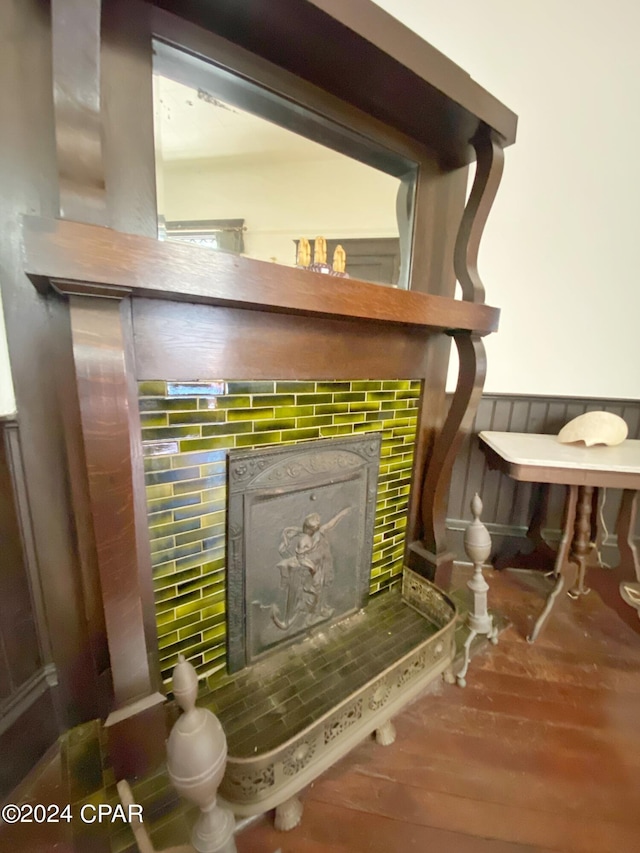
x=242, y=170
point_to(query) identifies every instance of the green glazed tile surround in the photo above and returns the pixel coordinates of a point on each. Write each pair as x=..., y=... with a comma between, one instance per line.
x=186, y=430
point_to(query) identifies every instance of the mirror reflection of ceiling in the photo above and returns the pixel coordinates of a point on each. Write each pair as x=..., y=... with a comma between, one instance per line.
x=222, y=170
x=192, y=124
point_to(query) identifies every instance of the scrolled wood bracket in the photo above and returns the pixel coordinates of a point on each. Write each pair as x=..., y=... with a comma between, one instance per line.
x=431, y=553
x=489, y=166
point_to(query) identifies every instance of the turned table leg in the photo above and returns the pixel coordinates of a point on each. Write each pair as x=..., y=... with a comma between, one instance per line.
x=581, y=547
x=561, y=561
x=542, y=556
x=629, y=564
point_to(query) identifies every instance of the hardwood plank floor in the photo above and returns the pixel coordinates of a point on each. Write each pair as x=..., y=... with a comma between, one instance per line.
x=541, y=750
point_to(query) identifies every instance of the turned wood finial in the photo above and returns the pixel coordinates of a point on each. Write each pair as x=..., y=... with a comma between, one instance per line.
x=476, y=508
x=477, y=541
x=477, y=544
x=196, y=760
x=185, y=684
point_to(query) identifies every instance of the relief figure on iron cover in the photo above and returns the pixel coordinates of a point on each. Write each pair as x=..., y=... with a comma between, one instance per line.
x=306, y=571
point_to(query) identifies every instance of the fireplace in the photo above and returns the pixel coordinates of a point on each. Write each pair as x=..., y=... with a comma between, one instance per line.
x=127, y=310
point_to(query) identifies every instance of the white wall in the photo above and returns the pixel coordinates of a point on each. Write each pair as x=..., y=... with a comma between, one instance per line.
x=559, y=251
x=7, y=399
x=282, y=199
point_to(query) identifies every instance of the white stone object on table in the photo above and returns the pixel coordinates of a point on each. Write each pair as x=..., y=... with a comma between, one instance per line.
x=196, y=760
x=595, y=428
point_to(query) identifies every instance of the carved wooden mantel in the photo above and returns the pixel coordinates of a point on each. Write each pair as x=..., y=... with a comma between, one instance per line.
x=141, y=309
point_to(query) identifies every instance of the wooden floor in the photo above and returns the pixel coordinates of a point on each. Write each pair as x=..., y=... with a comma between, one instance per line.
x=541, y=750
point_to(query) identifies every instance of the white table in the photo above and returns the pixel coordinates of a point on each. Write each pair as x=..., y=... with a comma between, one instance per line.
x=538, y=458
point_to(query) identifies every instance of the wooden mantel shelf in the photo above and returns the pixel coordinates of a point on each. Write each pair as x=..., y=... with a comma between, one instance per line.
x=89, y=259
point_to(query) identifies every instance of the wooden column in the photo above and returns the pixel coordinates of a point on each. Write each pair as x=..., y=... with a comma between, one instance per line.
x=28, y=175
x=75, y=32
x=430, y=554
x=98, y=328
x=101, y=421
x=440, y=204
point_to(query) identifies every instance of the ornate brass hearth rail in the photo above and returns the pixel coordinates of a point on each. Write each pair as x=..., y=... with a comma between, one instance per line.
x=288, y=719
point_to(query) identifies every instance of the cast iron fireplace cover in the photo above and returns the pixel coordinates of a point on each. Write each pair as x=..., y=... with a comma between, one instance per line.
x=299, y=540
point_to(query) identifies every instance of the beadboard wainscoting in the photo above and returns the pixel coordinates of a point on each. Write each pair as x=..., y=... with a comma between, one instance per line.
x=28, y=716
x=508, y=505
